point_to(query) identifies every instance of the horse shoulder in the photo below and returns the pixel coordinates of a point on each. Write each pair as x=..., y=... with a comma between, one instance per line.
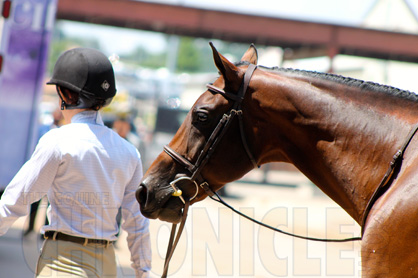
x=390, y=245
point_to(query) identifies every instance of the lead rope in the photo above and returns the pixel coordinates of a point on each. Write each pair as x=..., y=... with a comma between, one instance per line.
x=172, y=243
x=174, y=239
x=220, y=200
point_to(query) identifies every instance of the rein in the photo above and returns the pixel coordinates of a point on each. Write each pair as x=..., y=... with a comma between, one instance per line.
x=197, y=179
x=174, y=239
x=397, y=158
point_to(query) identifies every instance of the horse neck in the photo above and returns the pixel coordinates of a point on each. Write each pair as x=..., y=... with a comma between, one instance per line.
x=340, y=137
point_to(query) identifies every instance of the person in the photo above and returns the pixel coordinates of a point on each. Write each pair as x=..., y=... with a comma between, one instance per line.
x=87, y=172
x=43, y=128
x=123, y=127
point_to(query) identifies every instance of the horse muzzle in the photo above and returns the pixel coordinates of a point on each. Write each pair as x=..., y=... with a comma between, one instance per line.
x=159, y=204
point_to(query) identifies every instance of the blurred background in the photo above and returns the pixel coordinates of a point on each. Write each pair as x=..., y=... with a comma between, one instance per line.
x=162, y=60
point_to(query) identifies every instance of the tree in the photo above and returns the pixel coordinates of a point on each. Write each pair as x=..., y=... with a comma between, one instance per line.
x=188, y=59
x=141, y=57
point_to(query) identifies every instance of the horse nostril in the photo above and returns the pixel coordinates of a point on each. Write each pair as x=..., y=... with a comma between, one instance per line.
x=141, y=194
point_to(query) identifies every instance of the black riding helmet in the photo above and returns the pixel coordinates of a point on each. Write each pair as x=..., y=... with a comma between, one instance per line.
x=87, y=72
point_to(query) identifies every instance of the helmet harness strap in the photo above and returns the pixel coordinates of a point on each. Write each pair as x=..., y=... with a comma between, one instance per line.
x=82, y=101
x=63, y=103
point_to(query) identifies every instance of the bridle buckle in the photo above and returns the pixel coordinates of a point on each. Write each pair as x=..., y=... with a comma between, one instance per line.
x=207, y=189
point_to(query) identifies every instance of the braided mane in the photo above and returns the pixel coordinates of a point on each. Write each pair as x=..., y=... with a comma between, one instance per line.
x=364, y=85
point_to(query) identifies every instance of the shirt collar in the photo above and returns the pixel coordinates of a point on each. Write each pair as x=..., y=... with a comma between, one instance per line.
x=88, y=117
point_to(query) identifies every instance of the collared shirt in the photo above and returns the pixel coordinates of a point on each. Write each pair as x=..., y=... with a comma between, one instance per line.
x=88, y=172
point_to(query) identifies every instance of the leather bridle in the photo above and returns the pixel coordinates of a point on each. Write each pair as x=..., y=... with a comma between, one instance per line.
x=195, y=169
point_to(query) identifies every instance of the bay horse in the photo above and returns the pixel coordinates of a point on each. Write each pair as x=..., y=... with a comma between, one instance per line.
x=340, y=132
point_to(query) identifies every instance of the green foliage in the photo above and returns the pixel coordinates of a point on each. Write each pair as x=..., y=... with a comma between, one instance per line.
x=141, y=57
x=195, y=54
x=188, y=56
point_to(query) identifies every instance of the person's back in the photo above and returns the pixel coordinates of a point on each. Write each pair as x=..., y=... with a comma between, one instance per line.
x=84, y=148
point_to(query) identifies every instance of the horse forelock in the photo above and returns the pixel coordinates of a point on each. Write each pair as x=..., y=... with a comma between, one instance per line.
x=348, y=81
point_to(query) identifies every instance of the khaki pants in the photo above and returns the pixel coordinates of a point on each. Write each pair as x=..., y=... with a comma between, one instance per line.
x=68, y=259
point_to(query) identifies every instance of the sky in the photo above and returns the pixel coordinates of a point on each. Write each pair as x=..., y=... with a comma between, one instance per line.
x=117, y=40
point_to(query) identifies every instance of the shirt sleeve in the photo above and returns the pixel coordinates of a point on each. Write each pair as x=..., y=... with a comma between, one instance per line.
x=137, y=227
x=30, y=184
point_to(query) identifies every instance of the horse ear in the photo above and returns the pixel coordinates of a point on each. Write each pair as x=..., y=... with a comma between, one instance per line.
x=228, y=70
x=251, y=55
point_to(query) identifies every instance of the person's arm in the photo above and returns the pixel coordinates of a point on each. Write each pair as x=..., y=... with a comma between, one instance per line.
x=29, y=185
x=136, y=225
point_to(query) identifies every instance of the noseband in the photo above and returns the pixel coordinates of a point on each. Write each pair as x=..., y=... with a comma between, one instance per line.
x=214, y=139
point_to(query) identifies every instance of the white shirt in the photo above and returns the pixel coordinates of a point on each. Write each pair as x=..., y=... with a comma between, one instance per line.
x=88, y=172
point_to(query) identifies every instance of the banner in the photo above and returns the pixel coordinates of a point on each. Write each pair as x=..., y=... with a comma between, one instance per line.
x=21, y=78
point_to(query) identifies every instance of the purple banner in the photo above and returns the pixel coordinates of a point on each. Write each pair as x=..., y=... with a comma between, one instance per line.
x=21, y=79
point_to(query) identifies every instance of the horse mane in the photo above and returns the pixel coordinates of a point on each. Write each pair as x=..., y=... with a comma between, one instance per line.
x=364, y=85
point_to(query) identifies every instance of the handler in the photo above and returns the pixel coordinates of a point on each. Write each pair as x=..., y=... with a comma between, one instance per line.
x=88, y=172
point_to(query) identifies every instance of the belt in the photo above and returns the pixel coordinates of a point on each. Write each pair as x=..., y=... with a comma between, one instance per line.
x=54, y=235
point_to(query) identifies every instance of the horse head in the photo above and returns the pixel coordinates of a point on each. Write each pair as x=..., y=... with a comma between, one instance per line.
x=193, y=162
x=340, y=132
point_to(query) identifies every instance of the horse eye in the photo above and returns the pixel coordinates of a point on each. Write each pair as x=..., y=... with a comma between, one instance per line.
x=202, y=117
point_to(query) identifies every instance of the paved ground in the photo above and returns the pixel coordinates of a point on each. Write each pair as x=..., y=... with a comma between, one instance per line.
x=217, y=243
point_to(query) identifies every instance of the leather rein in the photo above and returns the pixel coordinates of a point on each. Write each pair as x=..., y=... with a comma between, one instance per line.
x=207, y=151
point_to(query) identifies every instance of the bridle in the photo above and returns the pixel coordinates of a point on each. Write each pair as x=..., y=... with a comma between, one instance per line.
x=214, y=139
x=197, y=179
x=195, y=169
